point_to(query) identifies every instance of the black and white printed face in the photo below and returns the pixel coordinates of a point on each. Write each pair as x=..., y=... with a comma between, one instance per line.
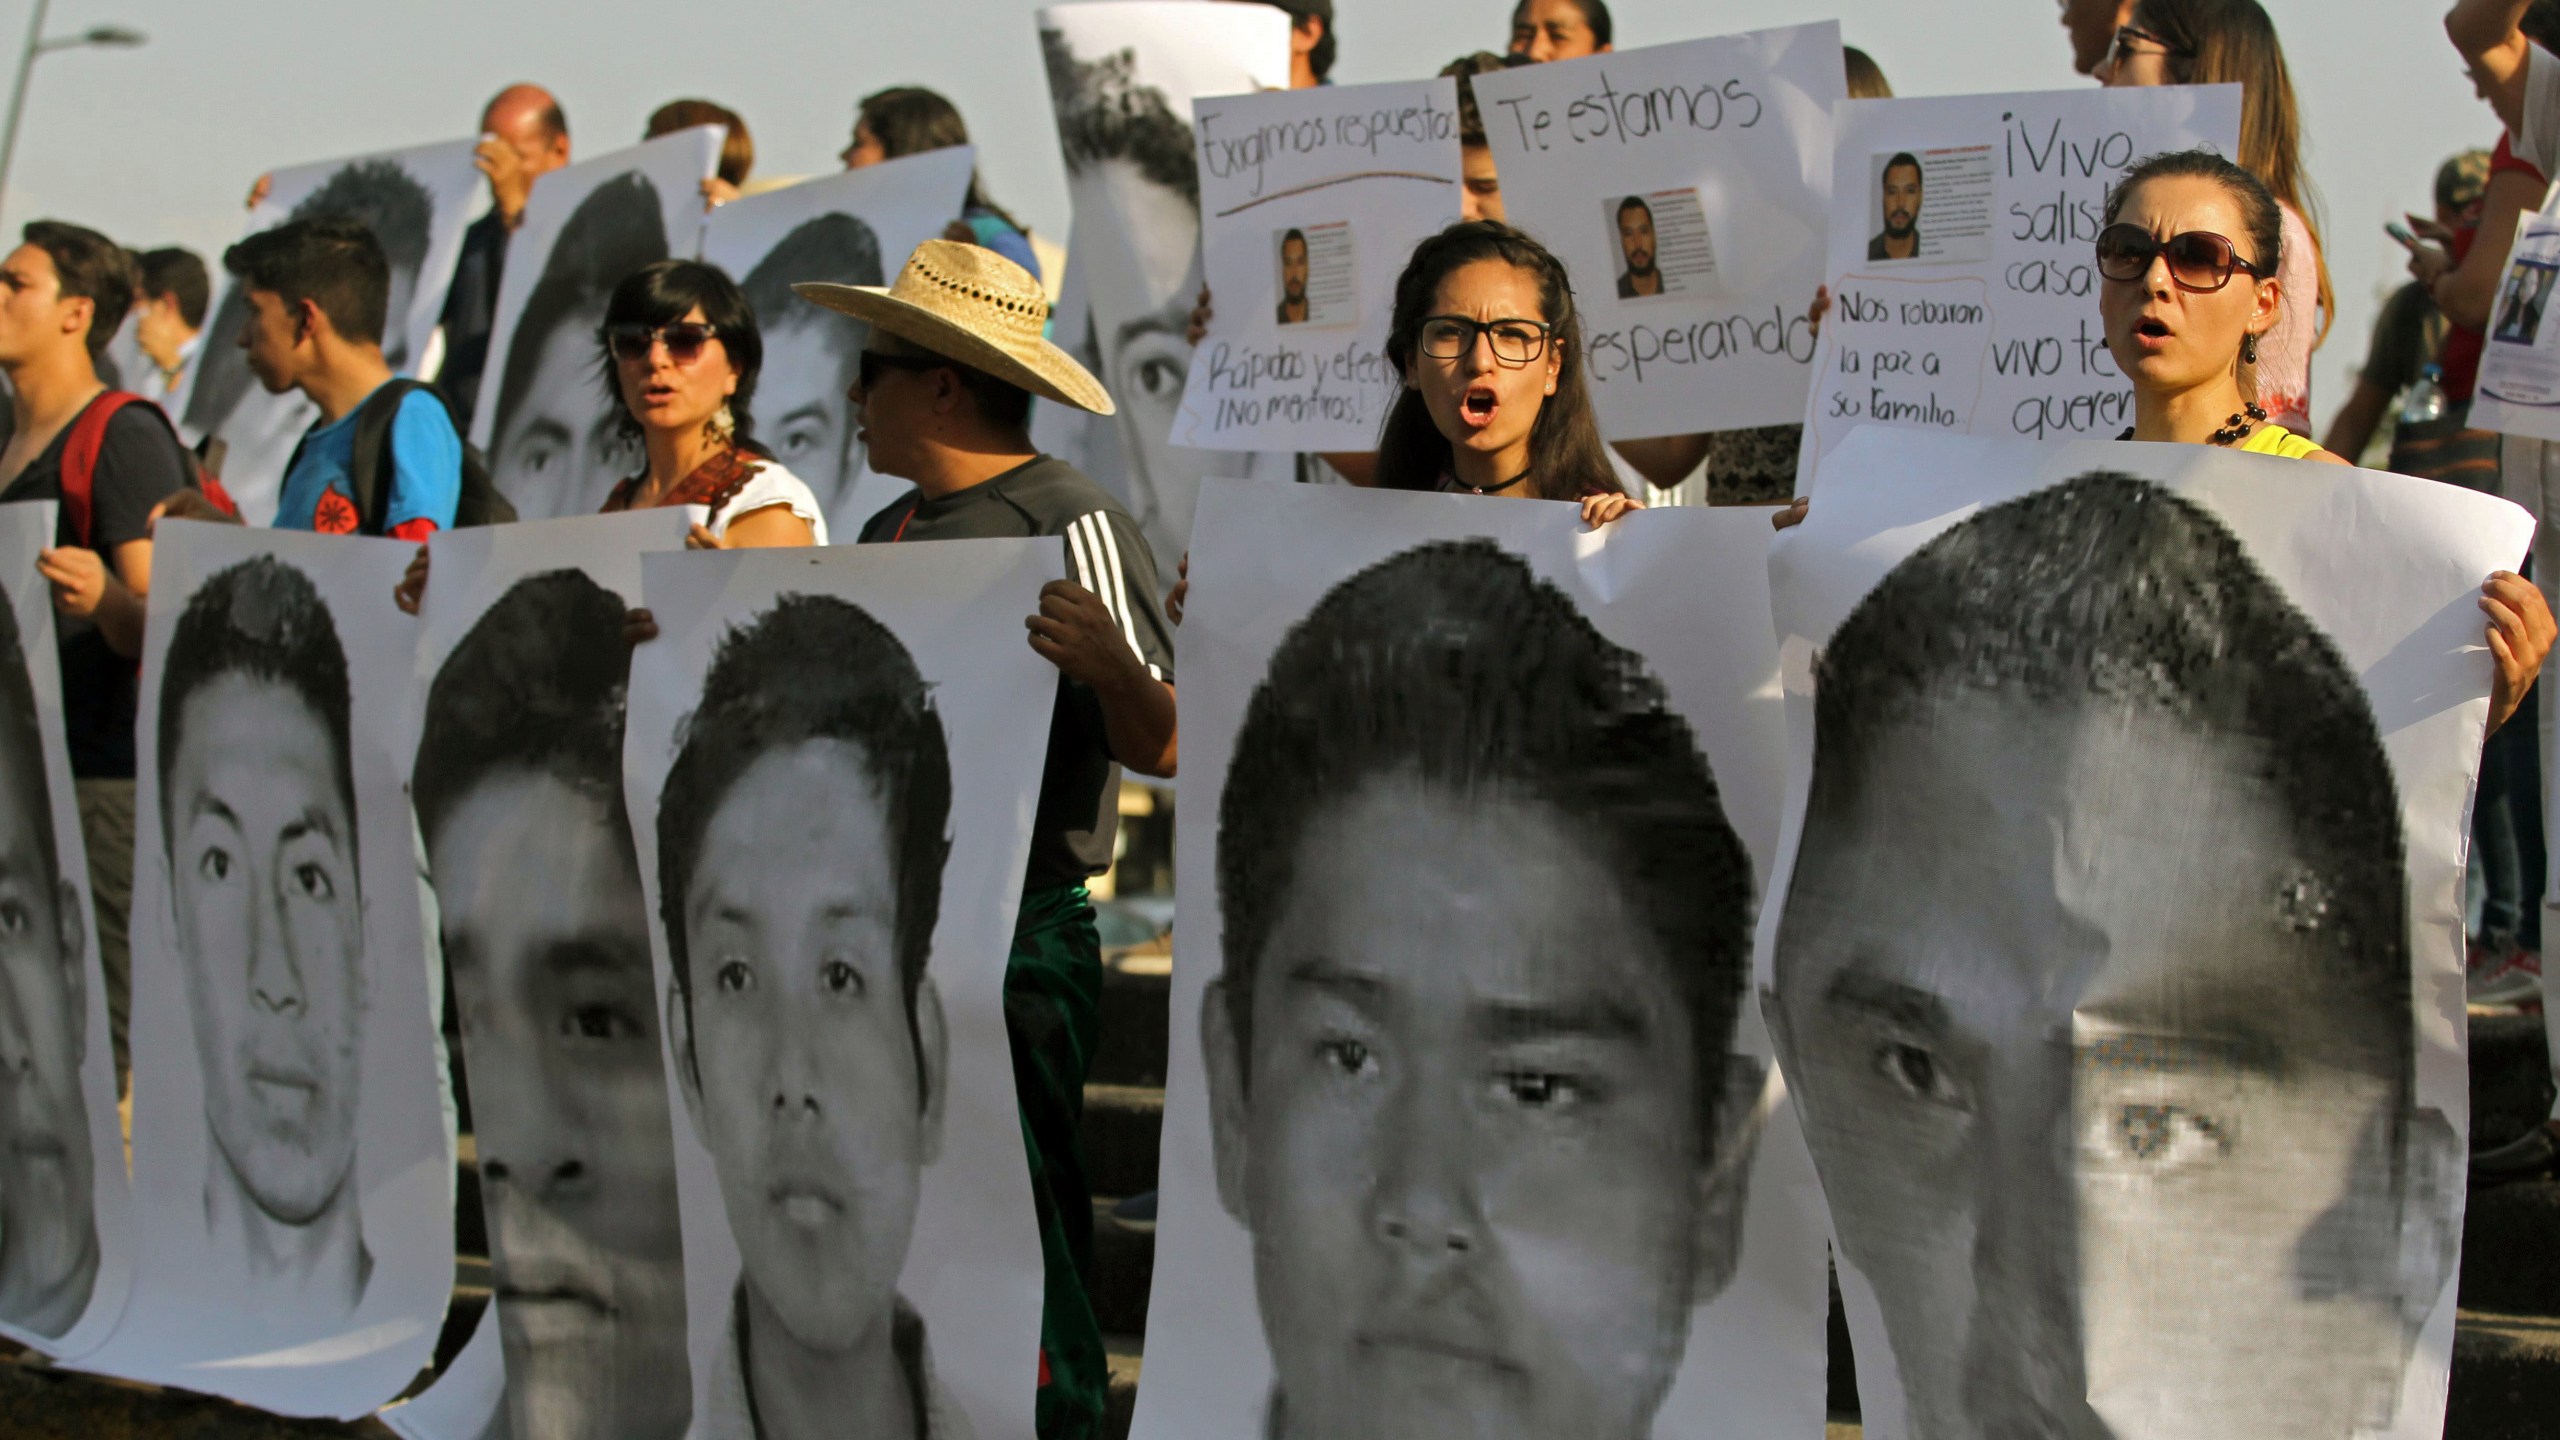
x=270, y=927
x=561, y=452
x=547, y=932
x=2095, y=1112
x=810, y=1097
x=48, y=1237
x=802, y=411
x=1471, y=1129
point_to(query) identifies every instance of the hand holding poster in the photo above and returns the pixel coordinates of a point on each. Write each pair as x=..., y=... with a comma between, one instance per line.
x=829, y=770
x=1311, y=202
x=545, y=425
x=417, y=202
x=1964, y=281
x=1470, y=1128
x=292, y=1178
x=856, y=228
x=66, y=1227
x=2519, y=387
x=2117, y=966
x=1682, y=186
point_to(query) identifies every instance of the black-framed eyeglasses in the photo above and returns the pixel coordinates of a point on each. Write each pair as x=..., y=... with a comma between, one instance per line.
x=867, y=370
x=1515, y=341
x=684, y=340
x=2199, y=260
x=2128, y=36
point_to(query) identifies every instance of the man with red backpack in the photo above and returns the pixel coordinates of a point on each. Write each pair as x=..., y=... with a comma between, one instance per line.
x=110, y=459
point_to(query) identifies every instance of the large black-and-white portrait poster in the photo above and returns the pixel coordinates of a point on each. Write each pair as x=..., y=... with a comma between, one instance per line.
x=2119, y=974
x=831, y=767
x=66, y=1233
x=517, y=784
x=417, y=202
x=1471, y=1129
x=544, y=418
x=1122, y=75
x=292, y=1177
x=856, y=228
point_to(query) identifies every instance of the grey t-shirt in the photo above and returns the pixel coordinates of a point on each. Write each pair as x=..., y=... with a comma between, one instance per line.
x=1079, y=812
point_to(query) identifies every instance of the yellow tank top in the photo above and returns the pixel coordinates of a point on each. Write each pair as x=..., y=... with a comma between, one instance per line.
x=2277, y=440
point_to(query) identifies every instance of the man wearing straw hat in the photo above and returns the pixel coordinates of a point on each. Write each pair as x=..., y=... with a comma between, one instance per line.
x=954, y=358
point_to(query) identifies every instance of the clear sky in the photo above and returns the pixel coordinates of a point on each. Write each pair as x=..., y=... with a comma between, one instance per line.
x=159, y=145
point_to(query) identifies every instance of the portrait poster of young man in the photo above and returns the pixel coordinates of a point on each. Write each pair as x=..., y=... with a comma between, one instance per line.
x=1468, y=1128
x=2119, y=1039
x=292, y=1170
x=66, y=1233
x=827, y=769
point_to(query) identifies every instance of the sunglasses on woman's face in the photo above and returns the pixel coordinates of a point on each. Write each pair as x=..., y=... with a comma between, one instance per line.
x=684, y=340
x=2199, y=260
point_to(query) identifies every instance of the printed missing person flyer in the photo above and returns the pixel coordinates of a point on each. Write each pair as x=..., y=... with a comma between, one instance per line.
x=1311, y=201
x=2519, y=389
x=1963, y=265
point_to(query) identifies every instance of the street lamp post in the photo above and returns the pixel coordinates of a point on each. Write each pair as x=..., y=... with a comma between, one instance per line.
x=105, y=35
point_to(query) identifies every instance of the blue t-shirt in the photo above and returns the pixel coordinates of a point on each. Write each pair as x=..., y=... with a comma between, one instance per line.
x=426, y=472
x=1002, y=238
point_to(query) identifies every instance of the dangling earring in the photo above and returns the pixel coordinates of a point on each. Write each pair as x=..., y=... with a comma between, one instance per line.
x=722, y=428
x=2249, y=348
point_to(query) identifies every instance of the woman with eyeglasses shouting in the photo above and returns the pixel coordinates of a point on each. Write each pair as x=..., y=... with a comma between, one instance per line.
x=2209, y=42
x=680, y=355
x=1487, y=338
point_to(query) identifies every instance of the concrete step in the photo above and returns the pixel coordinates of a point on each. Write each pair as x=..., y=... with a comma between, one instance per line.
x=2511, y=1250
x=2510, y=1077
x=39, y=1402
x=1122, y=1133
x=1122, y=1351
x=2506, y=1378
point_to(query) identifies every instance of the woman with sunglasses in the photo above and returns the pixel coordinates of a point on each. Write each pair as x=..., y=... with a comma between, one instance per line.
x=2208, y=42
x=1485, y=333
x=681, y=352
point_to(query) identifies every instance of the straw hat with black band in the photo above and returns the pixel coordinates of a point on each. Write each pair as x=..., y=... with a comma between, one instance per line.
x=970, y=304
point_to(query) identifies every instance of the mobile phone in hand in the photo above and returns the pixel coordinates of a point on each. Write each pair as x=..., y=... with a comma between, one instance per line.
x=2401, y=233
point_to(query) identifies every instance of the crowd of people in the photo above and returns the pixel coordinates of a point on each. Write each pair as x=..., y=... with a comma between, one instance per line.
x=2214, y=298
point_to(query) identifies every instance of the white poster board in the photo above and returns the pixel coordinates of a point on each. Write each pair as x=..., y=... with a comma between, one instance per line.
x=1122, y=78
x=2096, y=751
x=418, y=202
x=293, y=1185
x=2519, y=386
x=1991, y=327
x=543, y=418
x=1312, y=202
x=1685, y=187
x=856, y=228
x=848, y=1155
x=66, y=1225
x=1493, y=978
x=515, y=725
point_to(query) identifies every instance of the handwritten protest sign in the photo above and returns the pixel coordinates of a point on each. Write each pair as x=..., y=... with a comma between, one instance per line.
x=1311, y=201
x=1684, y=187
x=2519, y=389
x=1964, y=274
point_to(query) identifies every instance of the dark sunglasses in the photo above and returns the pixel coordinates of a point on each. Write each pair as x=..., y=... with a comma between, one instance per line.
x=684, y=340
x=2199, y=260
x=867, y=373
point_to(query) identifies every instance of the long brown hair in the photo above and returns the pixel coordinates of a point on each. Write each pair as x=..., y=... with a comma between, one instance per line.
x=1566, y=456
x=910, y=120
x=2218, y=42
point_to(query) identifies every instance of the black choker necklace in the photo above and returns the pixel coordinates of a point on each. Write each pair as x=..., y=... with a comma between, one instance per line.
x=1488, y=489
x=2237, y=428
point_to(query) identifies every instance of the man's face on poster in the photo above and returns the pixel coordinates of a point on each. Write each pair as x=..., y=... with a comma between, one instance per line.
x=560, y=452
x=2095, y=1115
x=804, y=1079
x=802, y=412
x=46, y=1226
x=1293, y=269
x=270, y=927
x=547, y=932
x=1143, y=285
x=1467, y=1137
x=1635, y=239
x=395, y=317
x=1901, y=200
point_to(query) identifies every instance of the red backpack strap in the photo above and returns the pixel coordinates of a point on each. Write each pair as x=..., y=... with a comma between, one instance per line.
x=80, y=459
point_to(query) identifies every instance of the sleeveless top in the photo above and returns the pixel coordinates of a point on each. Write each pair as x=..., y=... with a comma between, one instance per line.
x=2273, y=439
x=732, y=483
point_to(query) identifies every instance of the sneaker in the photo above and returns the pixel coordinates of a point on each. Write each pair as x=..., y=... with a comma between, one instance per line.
x=1137, y=1213
x=2509, y=979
